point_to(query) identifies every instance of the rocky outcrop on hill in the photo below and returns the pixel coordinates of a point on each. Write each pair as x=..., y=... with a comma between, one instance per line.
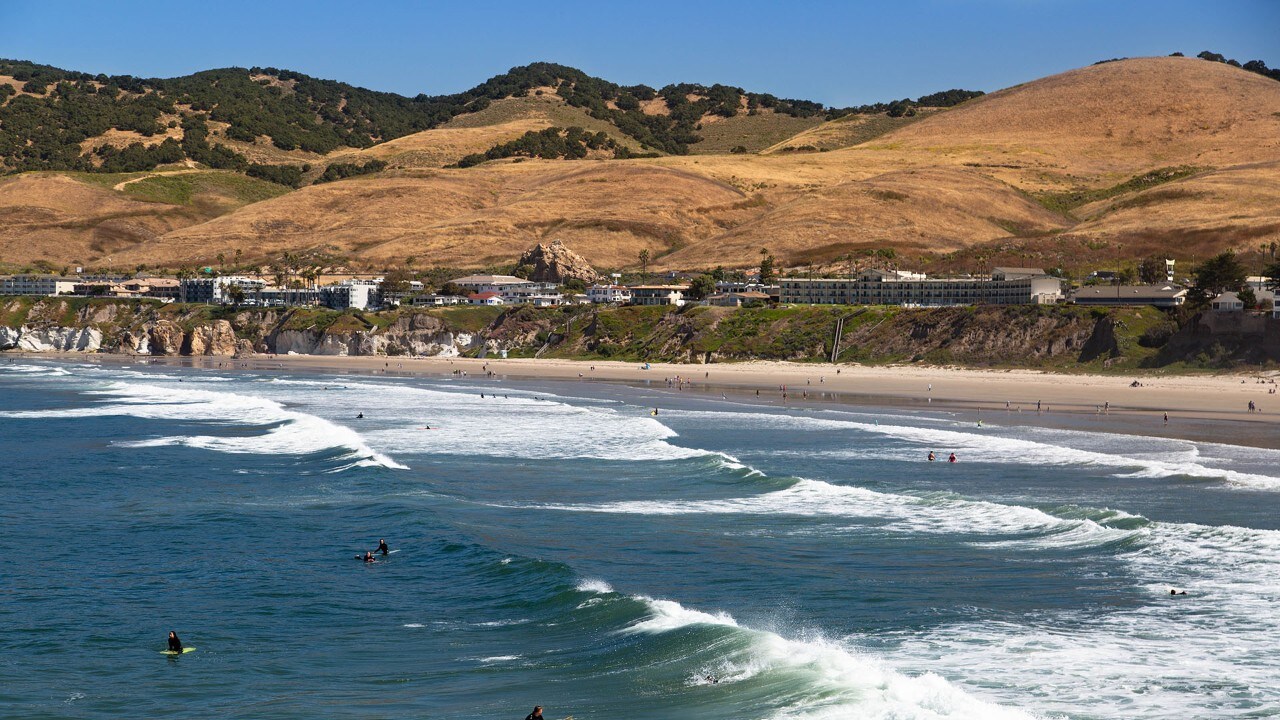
x=216, y=339
x=555, y=263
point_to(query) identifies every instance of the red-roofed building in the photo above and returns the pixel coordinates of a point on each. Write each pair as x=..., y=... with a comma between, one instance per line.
x=485, y=298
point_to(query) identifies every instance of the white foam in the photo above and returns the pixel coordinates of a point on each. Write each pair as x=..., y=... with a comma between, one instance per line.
x=839, y=681
x=414, y=625
x=594, y=586
x=1026, y=446
x=505, y=423
x=903, y=513
x=286, y=431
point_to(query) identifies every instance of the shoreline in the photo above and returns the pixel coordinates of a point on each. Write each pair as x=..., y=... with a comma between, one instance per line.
x=1213, y=397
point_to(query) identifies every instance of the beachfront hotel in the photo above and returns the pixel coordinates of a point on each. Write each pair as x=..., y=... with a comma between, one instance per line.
x=1005, y=286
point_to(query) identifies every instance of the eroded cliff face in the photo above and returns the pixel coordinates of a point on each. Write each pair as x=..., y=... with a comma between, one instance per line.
x=56, y=325
x=1028, y=336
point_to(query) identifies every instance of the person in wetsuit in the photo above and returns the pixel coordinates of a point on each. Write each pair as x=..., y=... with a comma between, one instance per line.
x=382, y=548
x=536, y=714
x=175, y=645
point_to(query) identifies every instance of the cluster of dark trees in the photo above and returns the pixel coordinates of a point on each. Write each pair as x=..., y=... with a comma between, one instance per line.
x=907, y=106
x=137, y=157
x=290, y=175
x=338, y=171
x=195, y=143
x=552, y=143
x=43, y=131
x=1253, y=66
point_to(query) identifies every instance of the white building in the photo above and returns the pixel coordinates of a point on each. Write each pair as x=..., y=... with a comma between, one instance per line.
x=501, y=284
x=738, y=299
x=658, y=294
x=514, y=290
x=37, y=285
x=609, y=294
x=1157, y=295
x=437, y=300
x=357, y=294
x=215, y=290
x=1227, y=302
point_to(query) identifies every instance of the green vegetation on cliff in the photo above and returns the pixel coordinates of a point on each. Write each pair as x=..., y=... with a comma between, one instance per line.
x=1060, y=338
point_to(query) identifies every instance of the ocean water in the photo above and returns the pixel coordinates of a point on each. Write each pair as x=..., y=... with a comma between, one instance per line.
x=556, y=544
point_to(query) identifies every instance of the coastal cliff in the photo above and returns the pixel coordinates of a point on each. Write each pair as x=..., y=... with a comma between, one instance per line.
x=1057, y=337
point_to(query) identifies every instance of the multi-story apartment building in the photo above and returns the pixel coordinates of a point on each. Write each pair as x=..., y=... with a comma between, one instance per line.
x=1005, y=286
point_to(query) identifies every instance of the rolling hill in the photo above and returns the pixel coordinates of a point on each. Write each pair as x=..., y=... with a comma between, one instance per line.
x=1176, y=156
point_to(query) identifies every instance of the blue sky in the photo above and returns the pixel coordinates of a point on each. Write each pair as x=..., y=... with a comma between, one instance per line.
x=839, y=53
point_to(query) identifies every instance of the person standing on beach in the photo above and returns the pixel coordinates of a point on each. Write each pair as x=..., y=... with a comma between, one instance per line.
x=1166, y=418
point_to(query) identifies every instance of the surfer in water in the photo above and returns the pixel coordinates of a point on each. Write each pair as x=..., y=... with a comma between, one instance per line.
x=952, y=458
x=932, y=457
x=367, y=557
x=175, y=645
x=359, y=416
x=382, y=548
x=536, y=714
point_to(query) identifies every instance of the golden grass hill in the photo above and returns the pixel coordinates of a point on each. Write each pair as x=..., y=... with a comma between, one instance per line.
x=1171, y=156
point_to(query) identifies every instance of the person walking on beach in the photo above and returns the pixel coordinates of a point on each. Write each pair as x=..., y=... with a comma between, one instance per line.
x=1166, y=418
x=535, y=715
x=175, y=645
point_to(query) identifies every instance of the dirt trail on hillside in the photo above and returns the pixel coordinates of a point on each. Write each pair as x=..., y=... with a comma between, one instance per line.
x=119, y=187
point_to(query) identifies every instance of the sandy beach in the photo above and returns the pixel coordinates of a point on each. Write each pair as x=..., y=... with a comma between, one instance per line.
x=1210, y=397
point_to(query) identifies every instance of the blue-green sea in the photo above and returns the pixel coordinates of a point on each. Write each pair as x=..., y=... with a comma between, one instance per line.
x=556, y=544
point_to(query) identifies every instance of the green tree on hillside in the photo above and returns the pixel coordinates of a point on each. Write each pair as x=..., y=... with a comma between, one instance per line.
x=1152, y=270
x=1272, y=273
x=1217, y=274
x=702, y=286
x=644, y=261
x=767, y=273
x=1248, y=297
